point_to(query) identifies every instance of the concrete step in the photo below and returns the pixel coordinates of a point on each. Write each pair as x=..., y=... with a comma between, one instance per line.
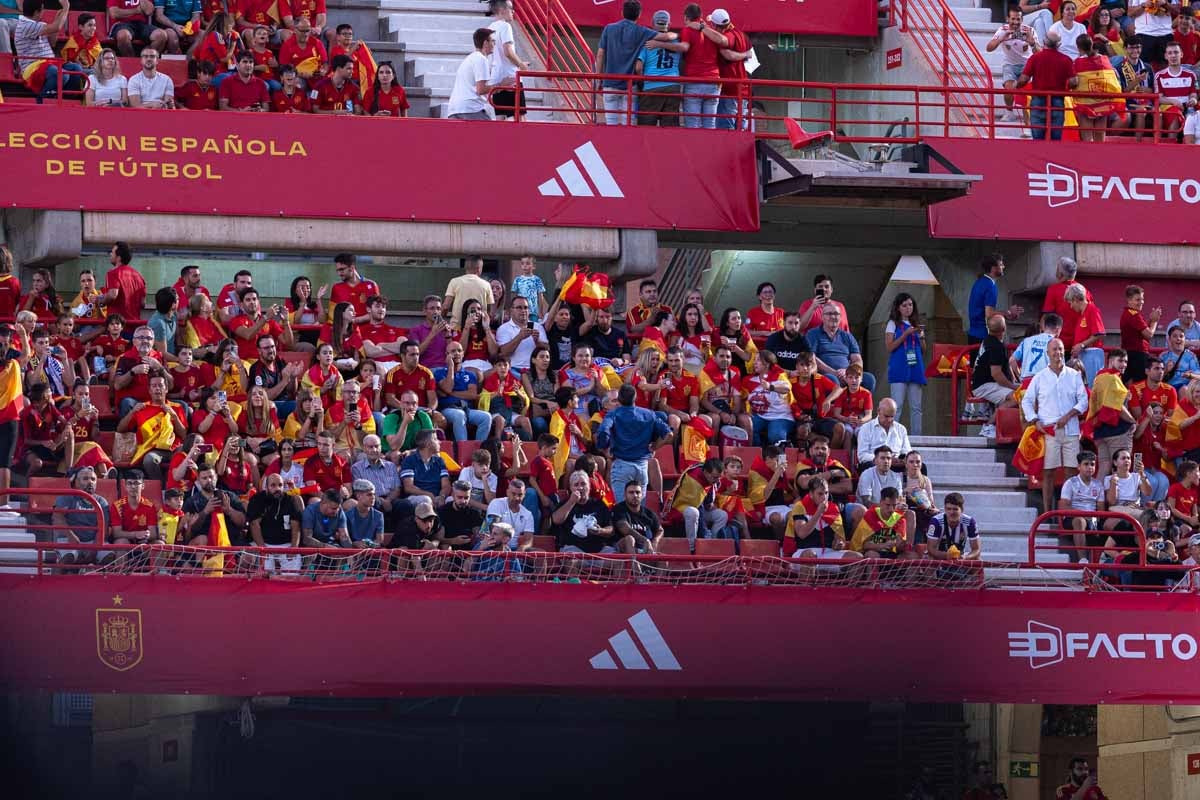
x=437, y=80
x=948, y=441
x=970, y=483
x=941, y=471
x=961, y=4
x=425, y=65
x=448, y=22
x=972, y=455
x=432, y=6
x=977, y=15
x=992, y=516
x=413, y=38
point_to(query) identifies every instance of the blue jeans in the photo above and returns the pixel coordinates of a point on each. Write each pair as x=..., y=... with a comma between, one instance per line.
x=1159, y=483
x=125, y=406
x=71, y=79
x=460, y=417
x=1037, y=117
x=727, y=109
x=625, y=472
x=1093, y=362
x=775, y=430
x=540, y=425
x=531, y=502
x=700, y=99
x=617, y=110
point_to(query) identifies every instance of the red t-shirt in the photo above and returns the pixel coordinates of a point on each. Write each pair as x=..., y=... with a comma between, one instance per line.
x=109, y=346
x=71, y=344
x=1090, y=324
x=678, y=391
x=83, y=426
x=541, y=472
x=356, y=295
x=738, y=43
x=290, y=52
x=257, y=11
x=420, y=380
x=1050, y=70
x=640, y=313
x=243, y=94
x=475, y=346
x=41, y=425
x=215, y=48
x=381, y=333
x=327, y=476
x=1141, y=396
x=139, y=388
x=195, y=97
x=133, y=518
x=127, y=5
x=228, y=297
x=308, y=9
x=1132, y=325
x=1175, y=87
x=10, y=295
x=1056, y=301
x=218, y=433
x=189, y=477
x=1144, y=444
x=702, y=57
x=131, y=291
x=810, y=395
x=1190, y=44
x=328, y=97
x=295, y=103
x=248, y=348
x=1185, y=499
x=393, y=101
x=815, y=322
x=759, y=320
x=854, y=404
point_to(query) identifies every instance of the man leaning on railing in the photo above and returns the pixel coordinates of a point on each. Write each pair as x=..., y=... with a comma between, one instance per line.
x=1049, y=71
x=620, y=43
x=35, y=54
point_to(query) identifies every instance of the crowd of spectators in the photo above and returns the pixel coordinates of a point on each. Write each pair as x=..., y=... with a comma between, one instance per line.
x=1130, y=47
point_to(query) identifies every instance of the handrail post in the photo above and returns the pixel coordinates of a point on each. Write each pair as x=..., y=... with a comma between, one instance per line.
x=945, y=46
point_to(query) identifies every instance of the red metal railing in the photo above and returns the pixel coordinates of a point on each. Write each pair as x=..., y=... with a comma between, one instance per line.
x=560, y=47
x=933, y=27
x=39, y=504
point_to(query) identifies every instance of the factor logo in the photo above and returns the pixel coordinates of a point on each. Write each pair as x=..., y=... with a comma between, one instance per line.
x=119, y=643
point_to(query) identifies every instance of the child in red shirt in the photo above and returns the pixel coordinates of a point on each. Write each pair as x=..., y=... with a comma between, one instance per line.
x=108, y=346
x=853, y=408
x=1182, y=497
x=541, y=473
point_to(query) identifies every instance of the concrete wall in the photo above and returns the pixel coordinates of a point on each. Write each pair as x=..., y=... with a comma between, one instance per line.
x=1144, y=750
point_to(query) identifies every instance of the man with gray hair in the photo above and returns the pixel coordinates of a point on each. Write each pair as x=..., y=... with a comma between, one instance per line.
x=1056, y=301
x=583, y=524
x=382, y=474
x=1049, y=71
x=134, y=370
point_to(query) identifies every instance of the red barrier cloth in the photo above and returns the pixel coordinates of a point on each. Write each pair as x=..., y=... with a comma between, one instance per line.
x=263, y=165
x=819, y=17
x=1050, y=191
x=233, y=637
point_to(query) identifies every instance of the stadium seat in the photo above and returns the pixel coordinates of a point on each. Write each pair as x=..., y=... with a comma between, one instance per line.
x=714, y=547
x=758, y=548
x=464, y=450
x=653, y=502
x=107, y=488
x=801, y=139
x=531, y=452
x=665, y=456
x=672, y=546
x=102, y=399
x=292, y=357
x=548, y=544
x=843, y=456
x=44, y=502
x=1008, y=426
x=152, y=491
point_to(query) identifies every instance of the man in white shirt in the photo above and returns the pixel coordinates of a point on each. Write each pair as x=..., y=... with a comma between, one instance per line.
x=1017, y=43
x=511, y=510
x=1187, y=316
x=1030, y=356
x=1152, y=24
x=518, y=337
x=1068, y=31
x=883, y=430
x=504, y=61
x=1056, y=398
x=468, y=98
x=150, y=88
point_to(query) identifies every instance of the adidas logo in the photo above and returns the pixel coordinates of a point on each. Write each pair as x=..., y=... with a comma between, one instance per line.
x=646, y=633
x=577, y=185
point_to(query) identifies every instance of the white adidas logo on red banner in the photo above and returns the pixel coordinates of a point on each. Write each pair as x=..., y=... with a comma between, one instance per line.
x=576, y=184
x=646, y=633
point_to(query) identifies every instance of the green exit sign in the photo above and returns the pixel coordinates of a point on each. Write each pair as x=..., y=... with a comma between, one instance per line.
x=1023, y=769
x=786, y=42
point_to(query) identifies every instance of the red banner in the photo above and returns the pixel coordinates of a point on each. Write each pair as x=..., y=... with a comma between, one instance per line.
x=816, y=17
x=425, y=170
x=222, y=636
x=1074, y=191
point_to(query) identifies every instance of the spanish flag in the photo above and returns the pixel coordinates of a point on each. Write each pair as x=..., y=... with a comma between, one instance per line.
x=759, y=476
x=511, y=388
x=199, y=332
x=693, y=442
x=942, y=366
x=154, y=432
x=34, y=74
x=168, y=525
x=364, y=67
x=90, y=454
x=190, y=28
x=218, y=536
x=652, y=337
x=1030, y=457
x=560, y=427
x=1102, y=78
x=586, y=288
x=12, y=395
x=1105, y=404
x=734, y=497
x=1179, y=440
x=692, y=489
x=713, y=376
x=308, y=67
x=83, y=53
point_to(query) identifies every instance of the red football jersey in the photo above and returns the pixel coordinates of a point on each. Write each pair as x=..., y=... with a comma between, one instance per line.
x=328, y=97
x=295, y=103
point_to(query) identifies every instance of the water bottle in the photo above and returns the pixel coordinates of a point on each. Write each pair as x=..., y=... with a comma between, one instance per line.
x=350, y=106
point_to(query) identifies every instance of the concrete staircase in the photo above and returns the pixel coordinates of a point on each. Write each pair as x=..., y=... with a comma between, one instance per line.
x=436, y=35
x=992, y=494
x=977, y=20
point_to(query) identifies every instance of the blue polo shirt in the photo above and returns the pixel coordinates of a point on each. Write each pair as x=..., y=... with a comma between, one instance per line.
x=621, y=42
x=368, y=527
x=324, y=529
x=629, y=431
x=178, y=11
x=463, y=379
x=426, y=476
x=660, y=63
x=983, y=294
x=833, y=350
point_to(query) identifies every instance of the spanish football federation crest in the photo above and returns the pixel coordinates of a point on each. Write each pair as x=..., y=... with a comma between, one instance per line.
x=119, y=636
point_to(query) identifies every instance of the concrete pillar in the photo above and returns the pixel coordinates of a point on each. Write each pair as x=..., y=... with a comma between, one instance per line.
x=1144, y=751
x=1152, y=260
x=44, y=238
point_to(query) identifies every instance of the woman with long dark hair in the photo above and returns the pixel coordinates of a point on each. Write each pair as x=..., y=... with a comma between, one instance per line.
x=42, y=298
x=342, y=335
x=540, y=382
x=386, y=98
x=476, y=337
x=904, y=338
x=306, y=308
x=733, y=334
x=694, y=338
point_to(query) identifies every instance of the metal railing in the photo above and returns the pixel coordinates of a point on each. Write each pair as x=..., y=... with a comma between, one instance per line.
x=559, y=46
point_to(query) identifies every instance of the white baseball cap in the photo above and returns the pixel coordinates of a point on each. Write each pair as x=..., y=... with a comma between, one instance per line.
x=719, y=16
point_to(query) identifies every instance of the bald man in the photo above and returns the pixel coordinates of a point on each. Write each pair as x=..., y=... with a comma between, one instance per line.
x=992, y=378
x=883, y=430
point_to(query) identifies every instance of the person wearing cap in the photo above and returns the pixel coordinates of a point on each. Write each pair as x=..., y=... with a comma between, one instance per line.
x=703, y=44
x=417, y=532
x=732, y=66
x=658, y=104
x=363, y=520
x=620, y=43
x=1193, y=559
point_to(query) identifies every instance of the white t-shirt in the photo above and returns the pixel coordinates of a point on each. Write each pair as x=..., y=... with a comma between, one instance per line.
x=1015, y=51
x=109, y=92
x=151, y=90
x=1192, y=128
x=468, y=475
x=1083, y=496
x=1128, y=489
x=1149, y=24
x=463, y=97
x=520, y=357
x=521, y=521
x=503, y=71
x=1068, y=36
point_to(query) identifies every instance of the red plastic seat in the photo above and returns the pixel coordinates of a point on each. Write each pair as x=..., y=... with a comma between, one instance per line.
x=748, y=455
x=547, y=544
x=665, y=456
x=801, y=139
x=302, y=358
x=714, y=547
x=758, y=548
x=1008, y=426
x=152, y=491
x=653, y=502
x=671, y=546
x=44, y=502
x=102, y=399
x=464, y=450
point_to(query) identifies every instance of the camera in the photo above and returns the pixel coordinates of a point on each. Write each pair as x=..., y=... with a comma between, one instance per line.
x=529, y=325
x=204, y=449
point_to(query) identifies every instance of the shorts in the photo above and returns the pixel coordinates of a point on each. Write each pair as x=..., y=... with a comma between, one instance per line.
x=570, y=548
x=1011, y=72
x=1061, y=451
x=1170, y=111
x=44, y=453
x=1154, y=48
x=8, y=443
x=824, y=426
x=993, y=393
x=505, y=103
x=99, y=554
x=781, y=510
x=140, y=31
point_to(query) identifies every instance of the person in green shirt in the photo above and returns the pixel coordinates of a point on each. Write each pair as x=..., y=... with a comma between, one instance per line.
x=400, y=429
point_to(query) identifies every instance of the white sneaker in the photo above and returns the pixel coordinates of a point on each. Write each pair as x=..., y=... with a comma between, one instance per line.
x=988, y=431
x=1083, y=560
